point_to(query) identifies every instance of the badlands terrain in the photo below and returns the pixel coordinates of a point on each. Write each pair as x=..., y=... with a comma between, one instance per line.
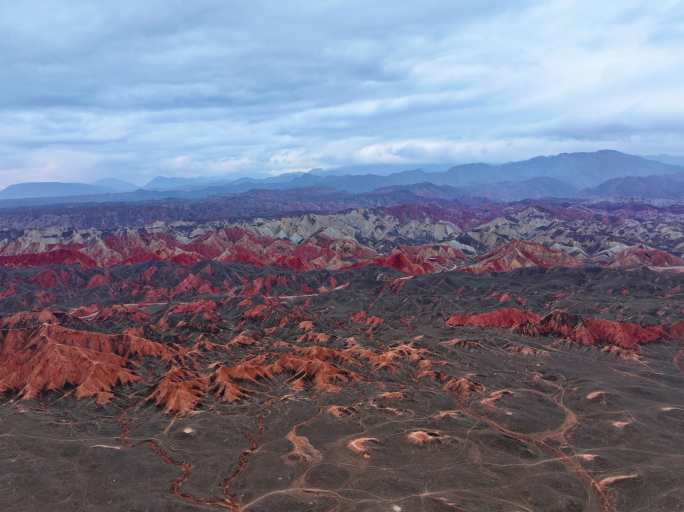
x=315, y=351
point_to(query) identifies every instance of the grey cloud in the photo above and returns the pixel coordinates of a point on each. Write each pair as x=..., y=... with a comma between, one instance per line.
x=205, y=87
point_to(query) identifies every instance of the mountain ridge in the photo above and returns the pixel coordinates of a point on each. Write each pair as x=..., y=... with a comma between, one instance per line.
x=559, y=175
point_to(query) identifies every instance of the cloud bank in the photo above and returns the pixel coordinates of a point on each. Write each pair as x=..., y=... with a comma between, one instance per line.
x=137, y=89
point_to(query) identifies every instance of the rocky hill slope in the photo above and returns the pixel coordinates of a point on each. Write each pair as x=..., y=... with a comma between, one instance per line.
x=297, y=361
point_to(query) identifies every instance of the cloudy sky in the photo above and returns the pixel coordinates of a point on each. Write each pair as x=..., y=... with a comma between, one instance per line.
x=134, y=89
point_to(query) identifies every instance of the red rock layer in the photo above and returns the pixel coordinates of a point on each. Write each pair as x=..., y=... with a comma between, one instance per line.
x=520, y=254
x=57, y=257
x=504, y=318
x=39, y=355
x=422, y=259
x=644, y=256
x=230, y=244
x=593, y=331
x=51, y=357
x=587, y=331
x=677, y=330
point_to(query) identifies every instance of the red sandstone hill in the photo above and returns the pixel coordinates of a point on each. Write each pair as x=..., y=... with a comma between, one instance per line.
x=39, y=355
x=231, y=244
x=587, y=331
x=69, y=256
x=422, y=259
x=520, y=254
x=504, y=318
x=412, y=238
x=644, y=256
x=50, y=357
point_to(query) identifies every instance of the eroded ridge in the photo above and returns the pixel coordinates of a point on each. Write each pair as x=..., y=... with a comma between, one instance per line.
x=218, y=385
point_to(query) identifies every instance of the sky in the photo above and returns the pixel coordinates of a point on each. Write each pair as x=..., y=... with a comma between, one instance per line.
x=132, y=89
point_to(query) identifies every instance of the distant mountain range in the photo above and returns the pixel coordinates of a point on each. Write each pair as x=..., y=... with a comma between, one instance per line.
x=534, y=188
x=46, y=189
x=604, y=174
x=667, y=159
x=668, y=186
x=580, y=170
